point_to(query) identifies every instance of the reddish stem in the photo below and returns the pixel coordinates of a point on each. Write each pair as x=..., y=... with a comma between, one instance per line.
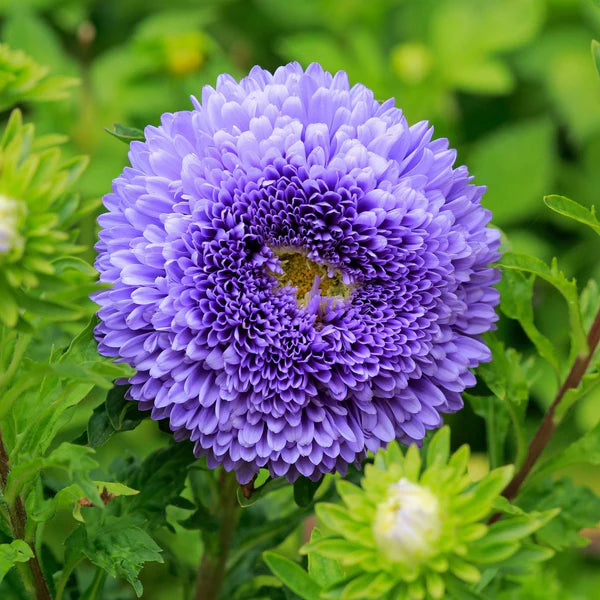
x=544, y=433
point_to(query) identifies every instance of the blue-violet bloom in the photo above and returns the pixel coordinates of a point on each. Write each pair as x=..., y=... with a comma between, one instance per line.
x=298, y=276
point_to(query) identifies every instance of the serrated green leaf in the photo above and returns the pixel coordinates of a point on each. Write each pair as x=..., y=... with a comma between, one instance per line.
x=13, y=553
x=114, y=544
x=293, y=576
x=566, y=287
x=516, y=292
x=579, y=507
x=567, y=208
x=61, y=383
x=585, y=450
x=76, y=460
x=160, y=479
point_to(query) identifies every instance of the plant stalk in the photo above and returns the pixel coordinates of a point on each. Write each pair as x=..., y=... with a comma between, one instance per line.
x=214, y=559
x=544, y=433
x=18, y=520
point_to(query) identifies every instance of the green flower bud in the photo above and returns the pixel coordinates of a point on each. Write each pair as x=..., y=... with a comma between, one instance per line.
x=9, y=225
x=407, y=523
x=414, y=533
x=37, y=240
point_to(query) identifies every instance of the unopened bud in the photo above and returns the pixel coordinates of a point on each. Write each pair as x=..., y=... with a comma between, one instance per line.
x=9, y=221
x=407, y=523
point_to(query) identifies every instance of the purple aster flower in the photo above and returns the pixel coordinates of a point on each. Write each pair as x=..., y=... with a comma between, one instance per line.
x=298, y=275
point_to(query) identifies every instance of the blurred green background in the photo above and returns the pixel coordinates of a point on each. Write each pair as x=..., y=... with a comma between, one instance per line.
x=510, y=82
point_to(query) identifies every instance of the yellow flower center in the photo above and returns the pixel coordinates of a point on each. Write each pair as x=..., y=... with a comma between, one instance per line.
x=300, y=272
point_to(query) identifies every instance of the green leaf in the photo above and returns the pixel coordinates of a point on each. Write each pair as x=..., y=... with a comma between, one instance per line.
x=566, y=287
x=516, y=292
x=438, y=450
x=114, y=544
x=516, y=165
x=115, y=415
x=369, y=586
x=76, y=460
x=305, y=490
x=588, y=383
x=578, y=505
x=160, y=479
x=10, y=554
x=72, y=496
x=293, y=576
x=325, y=571
x=585, y=450
x=59, y=385
x=527, y=559
x=126, y=134
x=567, y=208
x=478, y=503
x=459, y=590
x=508, y=381
x=336, y=518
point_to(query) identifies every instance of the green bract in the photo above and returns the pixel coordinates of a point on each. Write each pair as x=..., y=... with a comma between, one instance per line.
x=37, y=212
x=24, y=80
x=411, y=533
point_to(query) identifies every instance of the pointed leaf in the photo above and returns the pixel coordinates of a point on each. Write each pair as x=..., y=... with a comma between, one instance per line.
x=293, y=576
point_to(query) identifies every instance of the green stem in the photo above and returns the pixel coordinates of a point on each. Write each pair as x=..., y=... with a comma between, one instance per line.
x=95, y=589
x=20, y=347
x=214, y=559
x=68, y=568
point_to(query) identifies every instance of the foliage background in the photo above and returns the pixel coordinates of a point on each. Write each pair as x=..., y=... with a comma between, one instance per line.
x=509, y=82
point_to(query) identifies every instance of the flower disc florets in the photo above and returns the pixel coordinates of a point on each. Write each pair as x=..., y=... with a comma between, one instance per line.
x=298, y=275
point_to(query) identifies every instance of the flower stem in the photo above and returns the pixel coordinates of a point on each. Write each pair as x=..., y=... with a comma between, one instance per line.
x=214, y=560
x=18, y=520
x=547, y=427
